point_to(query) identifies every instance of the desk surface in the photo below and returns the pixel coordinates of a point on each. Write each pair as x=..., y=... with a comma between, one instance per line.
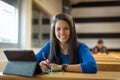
x=112, y=57
x=101, y=75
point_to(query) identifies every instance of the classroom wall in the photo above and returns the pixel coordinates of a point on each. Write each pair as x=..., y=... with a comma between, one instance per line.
x=98, y=20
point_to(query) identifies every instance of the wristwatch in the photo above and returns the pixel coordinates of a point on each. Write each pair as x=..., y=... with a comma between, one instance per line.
x=64, y=66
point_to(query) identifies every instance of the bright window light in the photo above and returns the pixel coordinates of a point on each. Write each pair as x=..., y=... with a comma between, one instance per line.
x=8, y=23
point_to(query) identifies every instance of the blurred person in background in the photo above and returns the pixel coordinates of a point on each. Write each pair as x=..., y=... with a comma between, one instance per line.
x=100, y=48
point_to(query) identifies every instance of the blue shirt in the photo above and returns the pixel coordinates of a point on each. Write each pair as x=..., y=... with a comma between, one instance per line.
x=87, y=61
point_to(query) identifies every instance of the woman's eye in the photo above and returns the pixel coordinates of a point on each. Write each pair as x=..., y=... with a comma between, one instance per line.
x=58, y=29
x=66, y=28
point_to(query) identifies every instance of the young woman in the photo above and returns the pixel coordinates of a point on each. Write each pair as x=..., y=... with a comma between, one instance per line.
x=63, y=51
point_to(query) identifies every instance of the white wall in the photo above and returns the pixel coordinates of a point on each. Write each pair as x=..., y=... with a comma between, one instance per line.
x=98, y=27
x=96, y=11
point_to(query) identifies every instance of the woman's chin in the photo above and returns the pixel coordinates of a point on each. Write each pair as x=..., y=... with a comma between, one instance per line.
x=63, y=42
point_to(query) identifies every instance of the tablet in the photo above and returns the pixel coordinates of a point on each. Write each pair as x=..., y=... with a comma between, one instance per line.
x=21, y=62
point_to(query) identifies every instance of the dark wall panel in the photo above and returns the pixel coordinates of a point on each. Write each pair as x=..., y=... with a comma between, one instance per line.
x=98, y=35
x=97, y=19
x=96, y=4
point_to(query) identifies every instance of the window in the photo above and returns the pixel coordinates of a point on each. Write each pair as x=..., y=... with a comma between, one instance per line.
x=45, y=21
x=8, y=23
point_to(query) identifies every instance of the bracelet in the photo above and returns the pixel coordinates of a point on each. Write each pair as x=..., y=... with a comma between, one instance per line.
x=64, y=66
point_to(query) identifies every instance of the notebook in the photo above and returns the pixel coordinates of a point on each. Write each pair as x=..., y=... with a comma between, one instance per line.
x=21, y=62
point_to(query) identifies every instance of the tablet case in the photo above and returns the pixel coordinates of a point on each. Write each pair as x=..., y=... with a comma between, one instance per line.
x=21, y=62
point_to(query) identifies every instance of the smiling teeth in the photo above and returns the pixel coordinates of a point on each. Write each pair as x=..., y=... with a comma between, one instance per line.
x=63, y=36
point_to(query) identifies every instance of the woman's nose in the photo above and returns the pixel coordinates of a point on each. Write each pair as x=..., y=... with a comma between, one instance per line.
x=62, y=32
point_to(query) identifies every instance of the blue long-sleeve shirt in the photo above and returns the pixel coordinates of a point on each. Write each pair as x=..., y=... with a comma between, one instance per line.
x=87, y=61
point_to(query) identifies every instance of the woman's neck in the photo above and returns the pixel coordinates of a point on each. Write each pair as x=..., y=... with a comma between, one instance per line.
x=64, y=48
x=63, y=45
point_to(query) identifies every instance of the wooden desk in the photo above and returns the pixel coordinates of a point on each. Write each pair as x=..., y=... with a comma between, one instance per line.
x=109, y=66
x=112, y=57
x=101, y=75
x=110, y=62
x=115, y=54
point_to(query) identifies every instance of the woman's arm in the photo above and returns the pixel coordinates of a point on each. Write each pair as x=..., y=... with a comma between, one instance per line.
x=68, y=68
x=87, y=61
x=74, y=68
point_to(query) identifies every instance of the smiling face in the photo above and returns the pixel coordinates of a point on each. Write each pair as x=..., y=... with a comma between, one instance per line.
x=62, y=31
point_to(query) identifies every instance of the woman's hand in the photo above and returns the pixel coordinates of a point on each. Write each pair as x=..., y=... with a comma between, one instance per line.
x=55, y=67
x=45, y=65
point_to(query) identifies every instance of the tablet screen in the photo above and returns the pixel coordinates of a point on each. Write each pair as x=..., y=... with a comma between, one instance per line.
x=20, y=55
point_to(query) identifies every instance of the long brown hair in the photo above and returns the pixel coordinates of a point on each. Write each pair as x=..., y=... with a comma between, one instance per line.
x=73, y=57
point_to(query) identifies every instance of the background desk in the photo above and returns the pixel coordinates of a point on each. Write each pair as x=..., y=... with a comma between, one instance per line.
x=110, y=62
x=112, y=57
x=109, y=66
x=101, y=75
